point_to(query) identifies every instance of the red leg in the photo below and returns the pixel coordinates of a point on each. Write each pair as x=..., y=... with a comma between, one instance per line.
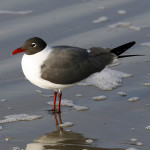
x=54, y=101
x=59, y=102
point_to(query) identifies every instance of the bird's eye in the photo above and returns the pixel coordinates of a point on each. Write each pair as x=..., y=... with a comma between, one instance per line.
x=33, y=45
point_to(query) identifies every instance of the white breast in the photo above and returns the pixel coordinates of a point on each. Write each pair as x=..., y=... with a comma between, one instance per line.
x=31, y=66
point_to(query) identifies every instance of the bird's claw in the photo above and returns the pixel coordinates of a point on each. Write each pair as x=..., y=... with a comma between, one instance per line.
x=53, y=111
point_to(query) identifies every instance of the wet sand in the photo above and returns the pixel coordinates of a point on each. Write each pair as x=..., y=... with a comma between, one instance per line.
x=109, y=124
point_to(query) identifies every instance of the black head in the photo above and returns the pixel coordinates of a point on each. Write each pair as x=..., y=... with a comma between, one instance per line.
x=33, y=45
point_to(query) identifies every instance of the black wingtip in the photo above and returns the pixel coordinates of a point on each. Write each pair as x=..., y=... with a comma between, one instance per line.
x=122, y=56
x=121, y=49
x=132, y=43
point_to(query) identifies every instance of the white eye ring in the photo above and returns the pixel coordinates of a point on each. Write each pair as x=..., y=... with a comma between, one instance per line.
x=33, y=45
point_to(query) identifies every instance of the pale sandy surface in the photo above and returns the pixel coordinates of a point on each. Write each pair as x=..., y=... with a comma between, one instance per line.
x=110, y=123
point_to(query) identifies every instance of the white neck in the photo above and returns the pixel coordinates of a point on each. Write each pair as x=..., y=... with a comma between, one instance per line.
x=31, y=64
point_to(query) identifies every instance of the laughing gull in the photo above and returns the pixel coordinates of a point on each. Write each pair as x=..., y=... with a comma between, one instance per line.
x=61, y=67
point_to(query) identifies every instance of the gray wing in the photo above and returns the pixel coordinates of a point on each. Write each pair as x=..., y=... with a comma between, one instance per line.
x=67, y=65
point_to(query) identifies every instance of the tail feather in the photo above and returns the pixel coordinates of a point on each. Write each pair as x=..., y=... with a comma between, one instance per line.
x=121, y=49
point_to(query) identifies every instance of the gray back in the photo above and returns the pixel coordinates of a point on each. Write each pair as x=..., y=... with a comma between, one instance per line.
x=67, y=65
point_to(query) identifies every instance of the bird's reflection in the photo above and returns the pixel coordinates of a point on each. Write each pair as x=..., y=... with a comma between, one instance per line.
x=62, y=140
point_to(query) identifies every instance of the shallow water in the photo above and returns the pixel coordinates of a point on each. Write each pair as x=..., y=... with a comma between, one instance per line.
x=110, y=123
x=63, y=139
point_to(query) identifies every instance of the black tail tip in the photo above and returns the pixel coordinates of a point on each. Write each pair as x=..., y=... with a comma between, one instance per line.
x=121, y=49
x=132, y=43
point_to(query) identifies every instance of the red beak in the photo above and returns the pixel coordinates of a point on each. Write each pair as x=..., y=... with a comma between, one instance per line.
x=18, y=50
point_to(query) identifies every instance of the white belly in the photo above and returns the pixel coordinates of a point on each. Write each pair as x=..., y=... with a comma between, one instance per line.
x=31, y=66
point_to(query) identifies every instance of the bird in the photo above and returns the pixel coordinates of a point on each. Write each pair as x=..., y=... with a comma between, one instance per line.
x=59, y=67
